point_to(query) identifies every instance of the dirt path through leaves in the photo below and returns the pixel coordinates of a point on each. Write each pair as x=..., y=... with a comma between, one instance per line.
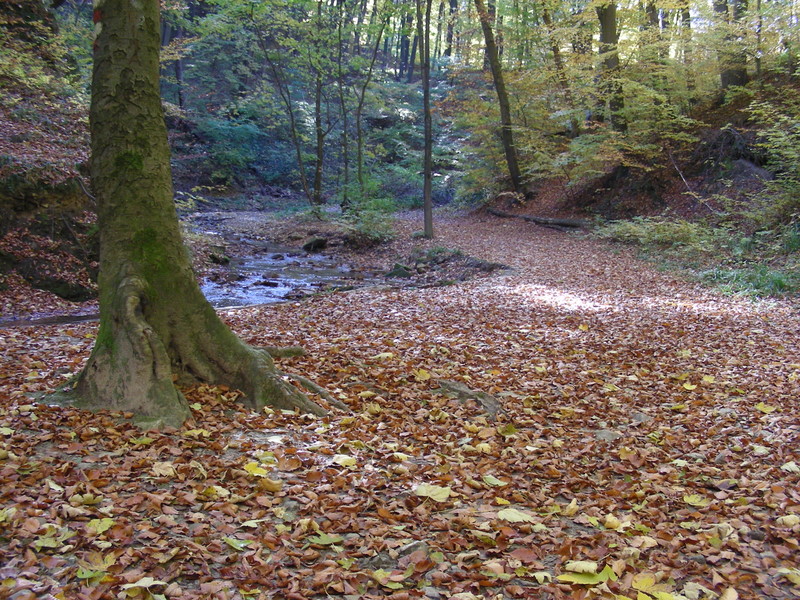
x=648, y=447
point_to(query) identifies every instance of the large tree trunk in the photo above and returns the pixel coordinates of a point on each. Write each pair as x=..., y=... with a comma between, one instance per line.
x=506, y=132
x=155, y=324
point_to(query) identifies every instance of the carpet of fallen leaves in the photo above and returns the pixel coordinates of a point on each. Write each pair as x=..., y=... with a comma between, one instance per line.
x=647, y=448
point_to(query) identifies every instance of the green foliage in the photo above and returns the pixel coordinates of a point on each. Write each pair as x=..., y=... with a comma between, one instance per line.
x=240, y=150
x=758, y=280
x=370, y=227
x=662, y=233
x=779, y=138
x=762, y=264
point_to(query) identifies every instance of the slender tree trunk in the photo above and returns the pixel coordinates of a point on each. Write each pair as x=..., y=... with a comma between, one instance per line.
x=440, y=26
x=561, y=72
x=424, y=35
x=345, y=112
x=319, y=134
x=506, y=131
x=155, y=324
x=405, y=45
x=686, y=46
x=611, y=88
x=359, y=108
x=491, y=13
x=413, y=60
x=451, y=21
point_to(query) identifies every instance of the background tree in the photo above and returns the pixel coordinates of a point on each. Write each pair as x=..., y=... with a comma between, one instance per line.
x=506, y=127
x=424, y=36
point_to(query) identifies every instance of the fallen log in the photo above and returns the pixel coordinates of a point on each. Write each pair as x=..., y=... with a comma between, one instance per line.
x=544, y=221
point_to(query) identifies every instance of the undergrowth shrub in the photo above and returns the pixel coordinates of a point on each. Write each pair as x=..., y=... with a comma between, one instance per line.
x=645, y=231
x=369, y=228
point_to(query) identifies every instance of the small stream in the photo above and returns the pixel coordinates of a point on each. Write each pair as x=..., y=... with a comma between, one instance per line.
x=276, y=274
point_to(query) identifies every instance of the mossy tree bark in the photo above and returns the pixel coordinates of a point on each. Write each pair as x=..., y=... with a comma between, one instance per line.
x=156, y=328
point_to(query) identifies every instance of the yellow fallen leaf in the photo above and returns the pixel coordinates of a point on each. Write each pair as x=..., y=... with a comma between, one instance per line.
x=164, y=469
x=383, y=356
x=542, y=576
x=612, y=522
x=269, y=485
x=709, y=379
x=689, y=386
x=729, y=594
x=434, y=492
x=581, y=566
x=344, y=460
x=255, y=469
x=788, y=520
x=512, y=515
x=696, y=500
x=197, y=433
x=421, y=375
x=583, y=327
x=792, y=574
x=570, y=509
x=765, y=408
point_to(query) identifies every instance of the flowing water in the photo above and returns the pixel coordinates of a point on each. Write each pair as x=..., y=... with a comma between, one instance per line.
x=276, y=274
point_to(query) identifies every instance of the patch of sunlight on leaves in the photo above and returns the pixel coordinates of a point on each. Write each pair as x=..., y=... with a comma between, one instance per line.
x=434, y=492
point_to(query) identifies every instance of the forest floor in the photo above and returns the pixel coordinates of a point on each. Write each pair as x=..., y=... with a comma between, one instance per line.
x=647, y=445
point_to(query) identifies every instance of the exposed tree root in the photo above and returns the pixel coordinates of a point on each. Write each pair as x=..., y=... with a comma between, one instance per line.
x=141, y=356
x=284, y=351
x=462, y=393
x=313, y=387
